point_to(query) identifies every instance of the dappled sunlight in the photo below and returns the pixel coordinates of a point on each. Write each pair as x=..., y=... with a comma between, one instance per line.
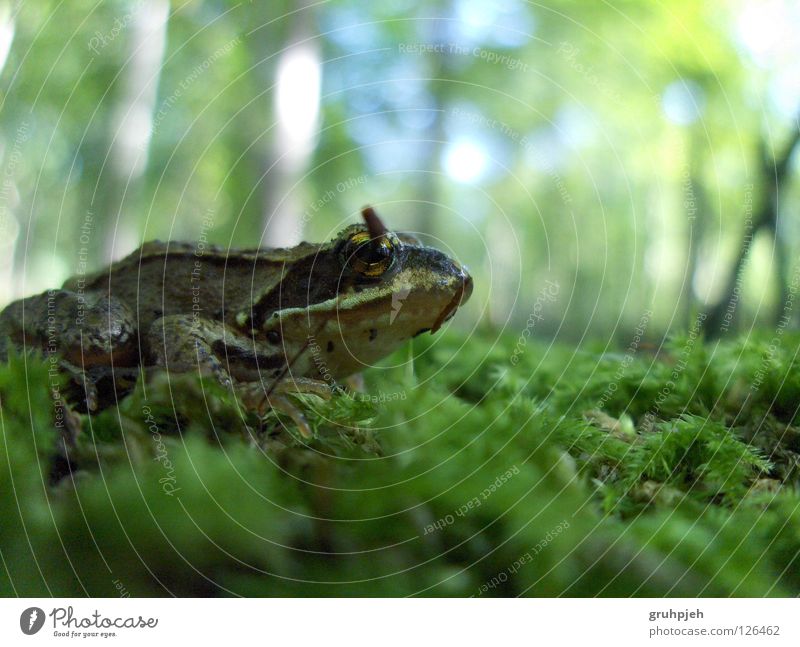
x=465, y=161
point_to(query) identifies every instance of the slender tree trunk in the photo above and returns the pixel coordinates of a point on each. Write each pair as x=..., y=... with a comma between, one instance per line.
x=432, y=138
x=131, y=127
x=9, y=224
x=696, y=211
x=773, y=176
x=290, y=150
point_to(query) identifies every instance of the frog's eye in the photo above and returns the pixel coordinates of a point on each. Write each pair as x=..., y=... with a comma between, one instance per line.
x=367, y=256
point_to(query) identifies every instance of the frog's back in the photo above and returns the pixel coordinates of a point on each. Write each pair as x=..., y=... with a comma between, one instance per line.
x=165, y=278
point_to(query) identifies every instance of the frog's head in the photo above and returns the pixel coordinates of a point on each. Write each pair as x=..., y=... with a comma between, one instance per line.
x=367, y=291
x=422, y=286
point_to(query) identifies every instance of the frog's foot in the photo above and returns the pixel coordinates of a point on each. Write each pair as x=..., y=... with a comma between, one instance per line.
x=256, y=397
x=284, y=405
x=303, y=385
x=84, y=384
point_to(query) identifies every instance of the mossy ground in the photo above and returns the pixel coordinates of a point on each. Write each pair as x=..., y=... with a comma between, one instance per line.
x=650, y=472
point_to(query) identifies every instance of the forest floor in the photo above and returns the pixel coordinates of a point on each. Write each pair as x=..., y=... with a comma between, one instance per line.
x=542, y=470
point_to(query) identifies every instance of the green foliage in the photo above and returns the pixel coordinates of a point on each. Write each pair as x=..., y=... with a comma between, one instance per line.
x=698, y=454
x=29, y=437
x=590, y=149
x=471, y=478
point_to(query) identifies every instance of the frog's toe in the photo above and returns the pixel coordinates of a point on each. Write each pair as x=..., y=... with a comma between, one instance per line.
x=84, y=386
x=92, y=398
x=306, y=385
x=254, y=397
x=283, y=405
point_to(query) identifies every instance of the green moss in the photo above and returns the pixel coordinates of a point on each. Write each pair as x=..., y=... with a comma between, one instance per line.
x=566, y=472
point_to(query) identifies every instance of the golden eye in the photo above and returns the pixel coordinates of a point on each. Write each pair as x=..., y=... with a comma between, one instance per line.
x=367, y=256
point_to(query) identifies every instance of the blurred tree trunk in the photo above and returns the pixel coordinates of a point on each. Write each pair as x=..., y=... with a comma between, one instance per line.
x=429, y=187
x=432, y=138
x=697, y=214
x=131, y=128
x=296, y=100
x=9, y=224
x=772, y=177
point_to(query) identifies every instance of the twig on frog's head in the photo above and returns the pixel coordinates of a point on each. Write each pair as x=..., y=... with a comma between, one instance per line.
x=375, y=227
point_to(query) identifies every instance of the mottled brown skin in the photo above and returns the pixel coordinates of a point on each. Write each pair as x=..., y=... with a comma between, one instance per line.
x=262, y=319
x=158, y=277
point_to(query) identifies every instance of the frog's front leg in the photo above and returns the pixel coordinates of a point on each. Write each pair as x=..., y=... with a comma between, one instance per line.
x=181, y=343
x=258, y=396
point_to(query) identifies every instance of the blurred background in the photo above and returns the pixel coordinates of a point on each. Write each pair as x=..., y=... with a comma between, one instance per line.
x=599, y=168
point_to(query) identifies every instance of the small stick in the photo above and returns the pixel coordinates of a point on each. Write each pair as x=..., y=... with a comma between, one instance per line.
x=374, y=225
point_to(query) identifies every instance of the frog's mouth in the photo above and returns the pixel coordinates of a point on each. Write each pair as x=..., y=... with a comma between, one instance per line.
x=461, y=296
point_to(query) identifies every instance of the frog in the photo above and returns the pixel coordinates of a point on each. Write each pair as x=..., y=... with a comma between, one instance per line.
x=266, y=322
